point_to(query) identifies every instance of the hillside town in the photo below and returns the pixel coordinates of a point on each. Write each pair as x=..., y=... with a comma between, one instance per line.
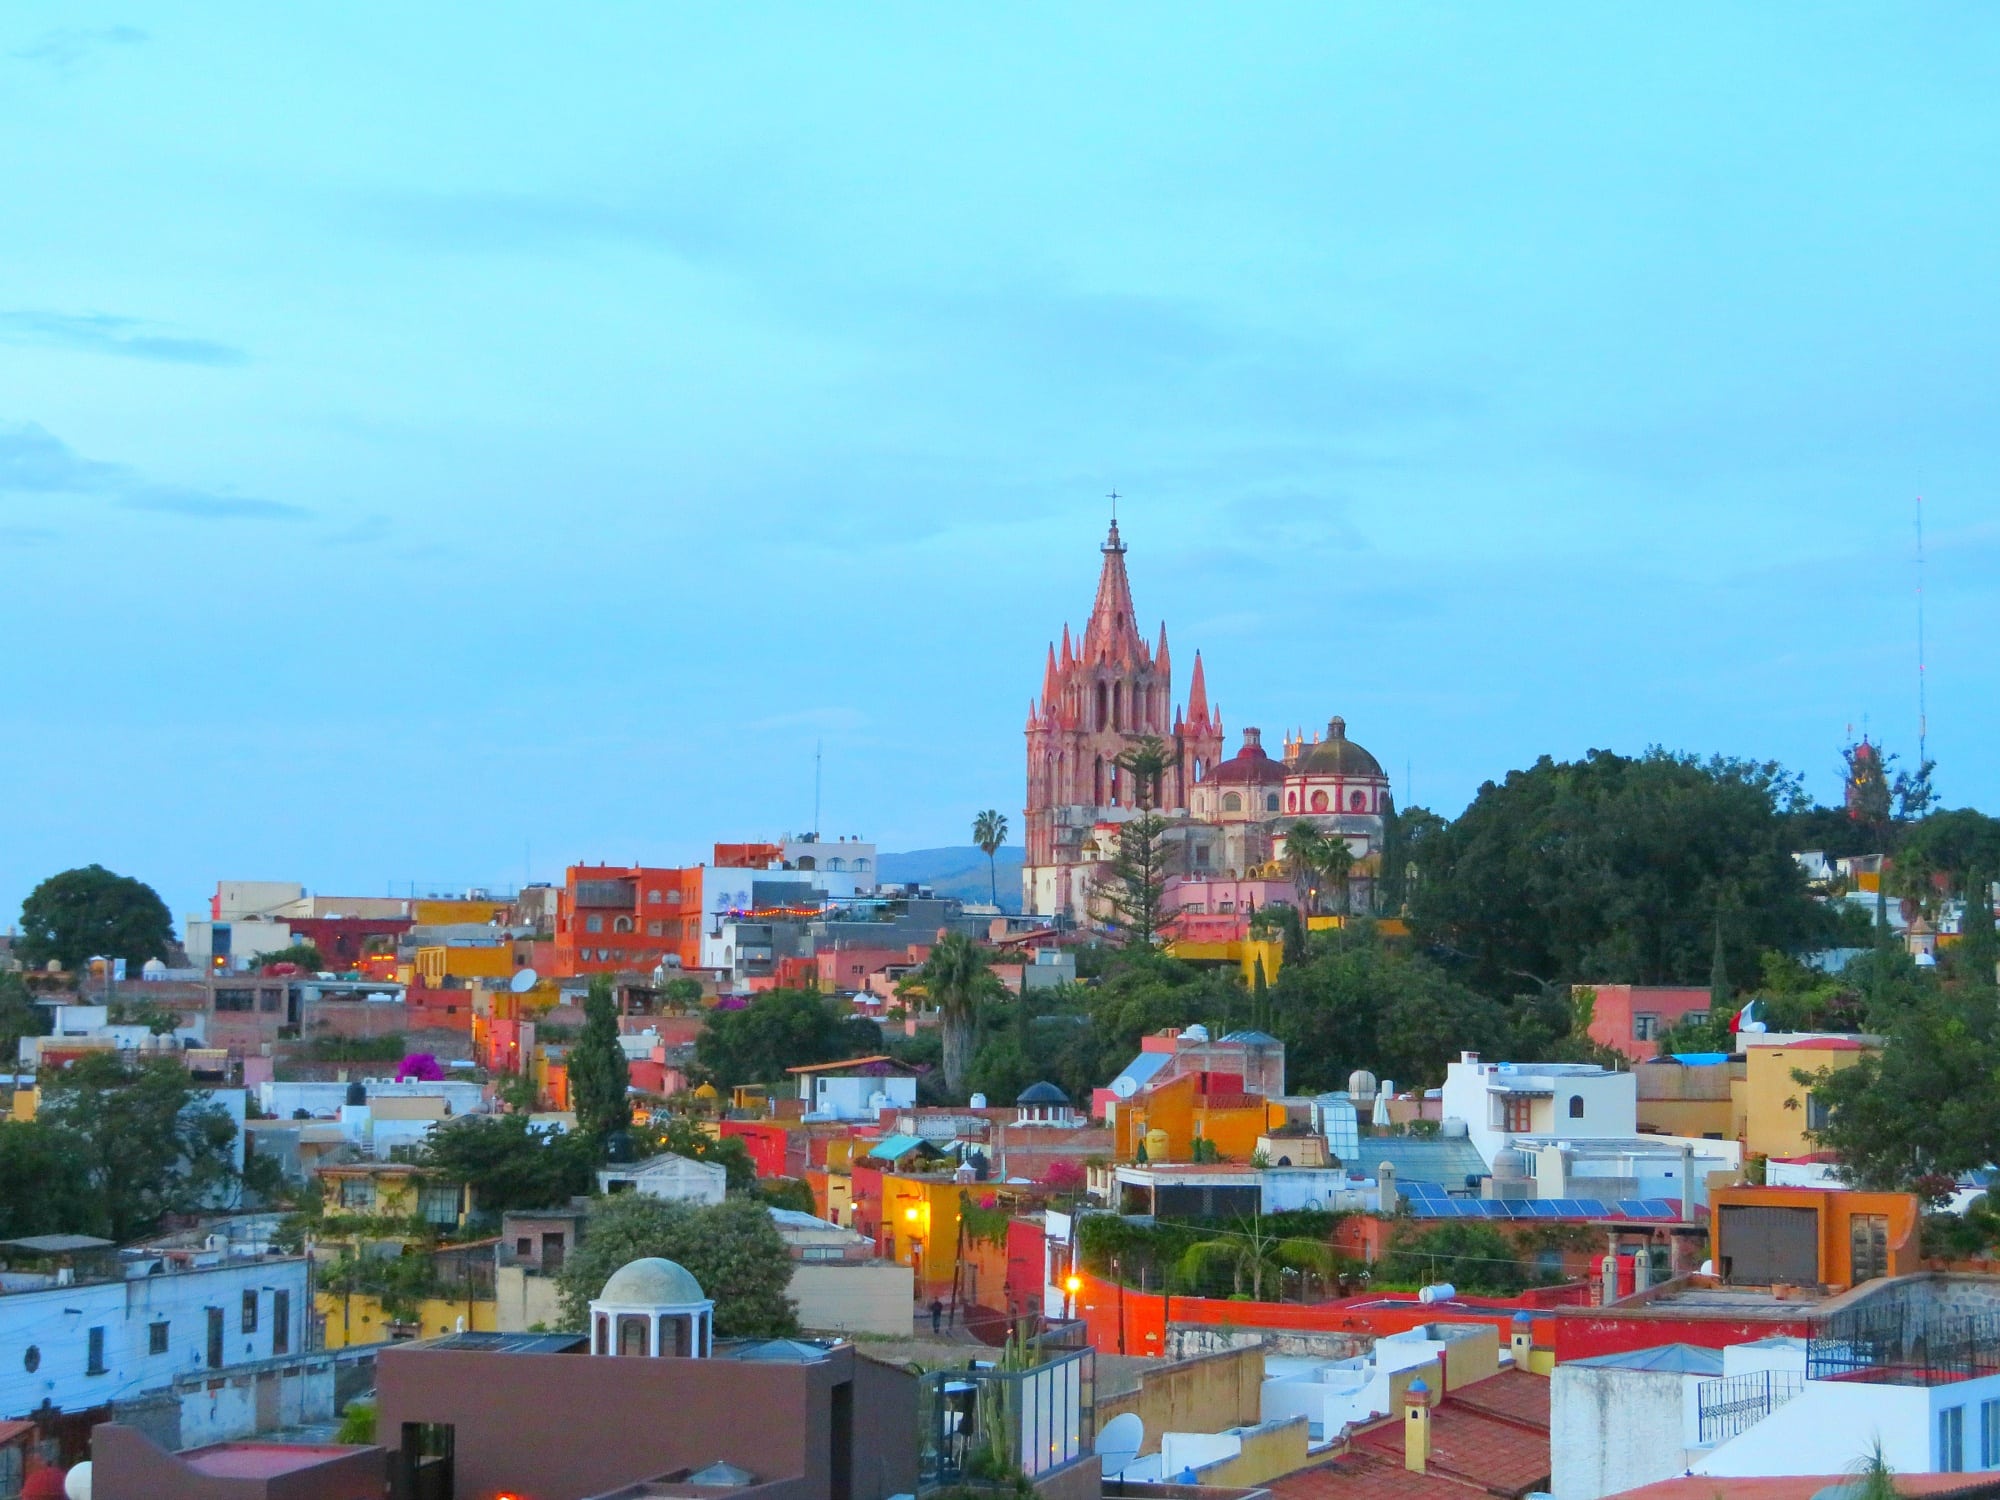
x=1235, y=1130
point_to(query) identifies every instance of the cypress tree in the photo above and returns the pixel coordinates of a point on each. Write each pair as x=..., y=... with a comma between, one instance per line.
x=598, y=1078
x=1978, y=947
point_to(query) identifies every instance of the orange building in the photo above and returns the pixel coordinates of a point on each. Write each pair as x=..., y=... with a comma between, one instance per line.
x=612, y=918
x=1170, y=1117
x=1828, y=1237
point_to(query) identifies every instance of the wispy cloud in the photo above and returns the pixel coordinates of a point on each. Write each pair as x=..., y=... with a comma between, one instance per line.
x=67, y=46
x=365, y=532
x=34, y=461
x=106, y=333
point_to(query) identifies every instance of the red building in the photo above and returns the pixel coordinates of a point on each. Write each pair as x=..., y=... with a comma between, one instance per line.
x=348, y=943
x=614, y=918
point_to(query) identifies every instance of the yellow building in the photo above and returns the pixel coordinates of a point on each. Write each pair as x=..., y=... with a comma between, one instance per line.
x=360, y=1318
x=392, y=1190
x=433, y=912
x=1778, y=1111
x=436, y=962
x=920, y=1220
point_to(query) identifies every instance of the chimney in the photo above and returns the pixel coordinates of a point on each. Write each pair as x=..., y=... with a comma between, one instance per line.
x=1470, y=1059
x=1417, y=1427
x=1522, y=1340
x=1687, y=1184
x=1385, y=1182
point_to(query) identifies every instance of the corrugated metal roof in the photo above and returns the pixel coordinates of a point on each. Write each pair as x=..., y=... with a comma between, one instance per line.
x=1678, y=1359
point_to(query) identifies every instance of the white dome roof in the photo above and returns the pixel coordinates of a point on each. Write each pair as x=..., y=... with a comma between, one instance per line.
x=652, y=1282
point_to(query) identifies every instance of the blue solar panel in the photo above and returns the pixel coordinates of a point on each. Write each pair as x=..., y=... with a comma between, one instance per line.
x=1592, y=1208
x=1662, y=1207
x=1632, y=1208
x=1543, y=1208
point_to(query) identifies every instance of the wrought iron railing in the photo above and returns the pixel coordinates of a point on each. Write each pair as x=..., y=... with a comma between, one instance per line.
x=1736, y=1403
x=1897, y=1344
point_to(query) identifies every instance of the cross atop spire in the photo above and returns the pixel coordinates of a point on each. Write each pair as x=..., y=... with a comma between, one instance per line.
x=1112, y=633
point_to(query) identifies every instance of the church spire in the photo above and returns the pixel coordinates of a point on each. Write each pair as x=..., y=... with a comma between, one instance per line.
x=1111, y=633
x=1049, y=679
x=1068, y=656
x=1160, y=656
x=1197, y=704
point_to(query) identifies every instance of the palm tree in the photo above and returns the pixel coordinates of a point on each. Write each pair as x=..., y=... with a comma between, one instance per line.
x=956, y=979
x=1304, y=853
x=1336, y=865
x=989, y=832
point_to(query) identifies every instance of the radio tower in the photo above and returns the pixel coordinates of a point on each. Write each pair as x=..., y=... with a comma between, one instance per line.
x=1923, y=714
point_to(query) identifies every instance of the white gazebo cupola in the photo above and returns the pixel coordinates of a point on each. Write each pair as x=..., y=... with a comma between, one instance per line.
x=654, y=1309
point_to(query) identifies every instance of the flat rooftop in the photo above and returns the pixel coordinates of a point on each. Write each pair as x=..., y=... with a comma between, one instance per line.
x=262, y=1460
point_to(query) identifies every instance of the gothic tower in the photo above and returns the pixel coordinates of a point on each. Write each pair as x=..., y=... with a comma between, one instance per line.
x=1099, y=698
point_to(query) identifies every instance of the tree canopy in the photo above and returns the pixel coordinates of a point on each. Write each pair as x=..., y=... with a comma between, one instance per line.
x=781, y=1029
x=598, y=1075
x=1618, y=869
x=957, y=980
x=92, y=913
x=732, y=1248
x=510, y=1164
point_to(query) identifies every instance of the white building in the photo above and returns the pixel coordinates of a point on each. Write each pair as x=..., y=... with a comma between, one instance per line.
x=81, y=1343
x=234, y=945
x=324, y=1101
x=679, y=1178
x=858, y=1089
x=1503, y=1102
x=1336, y=1394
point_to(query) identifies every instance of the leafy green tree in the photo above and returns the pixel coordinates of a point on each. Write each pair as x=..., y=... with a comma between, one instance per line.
x=681, y=995
x=781, y=1029
x=732, y=1248
x=1303, y=848
x=598, y=1077
x=989, y=832
x=787, y=1192
x=1978, y=951
x=1612, y=869
x=508, y=1163
x=147, y=1141
x=43, y=1188
x=90, y=913
x=19, y=1017
x=1473, y=1257
x=958, y=980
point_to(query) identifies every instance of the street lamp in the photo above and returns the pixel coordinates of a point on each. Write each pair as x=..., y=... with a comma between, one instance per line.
x=1073, y=1284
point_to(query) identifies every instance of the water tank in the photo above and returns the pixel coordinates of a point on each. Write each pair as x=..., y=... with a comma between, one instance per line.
x=978, y=1101
x=1361, y=1084
x=1442, y=1291
x=1509, y=1163
x=152, y=968
x=1158, y=1147
x=1195, y=1033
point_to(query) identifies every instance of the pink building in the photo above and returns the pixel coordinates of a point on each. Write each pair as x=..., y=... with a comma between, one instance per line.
x=1629, y=1018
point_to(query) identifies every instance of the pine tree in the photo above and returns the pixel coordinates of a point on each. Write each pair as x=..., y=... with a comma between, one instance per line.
x=598, y=1077
x=1978, y=947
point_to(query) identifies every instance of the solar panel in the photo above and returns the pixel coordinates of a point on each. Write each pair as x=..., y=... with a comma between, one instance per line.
x=1543, y=1208
x=1592, y=1208
x=1633, y=1208
x=1664, y=1208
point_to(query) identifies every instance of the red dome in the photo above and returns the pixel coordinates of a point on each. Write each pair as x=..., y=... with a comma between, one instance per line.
x=1249, y=766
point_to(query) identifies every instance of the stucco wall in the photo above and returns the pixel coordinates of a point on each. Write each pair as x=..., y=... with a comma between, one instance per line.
x=523, y=1301
x=871, y=1297
x=1612, y=1430
x=1204, y=1394
x=1830, y=1428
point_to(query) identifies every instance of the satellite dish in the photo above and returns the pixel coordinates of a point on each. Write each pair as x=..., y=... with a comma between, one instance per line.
x=523, y=981
x=1119, y=1441
x=1124, y=1086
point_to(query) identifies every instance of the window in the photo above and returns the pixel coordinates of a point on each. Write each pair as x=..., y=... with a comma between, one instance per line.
x=1951, y=1440
x=673, y=898
x=31, y=1359
x=1989, y=1434
x=281, y=1322
x=1232, y=802
x=553, y=1246
x=235, y=999
x=652, y=929
x=593, y=924
x=1817, y=1112
x=96, y=1365
x=439, y=1203
x=156, y=1338
x=652, y=898
x=1576, y=1106
x=1270, y=802
x=271, y=1002
x=621, y=924
x=524, y=1246
x=1319, y=803
x=1518, y=1115
x=1645, y=1027
x=214, y=1338
x=250, y=1311
x=357, y=1192
x=860, y=865
x=1358, y=802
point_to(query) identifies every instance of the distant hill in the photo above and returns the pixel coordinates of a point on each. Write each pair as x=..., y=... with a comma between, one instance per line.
x=959, y=871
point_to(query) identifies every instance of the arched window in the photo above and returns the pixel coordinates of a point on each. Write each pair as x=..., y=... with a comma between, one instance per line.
x=1576, y=1106
x=621, y=924
x=807, y=862
x=1358, y=802
x=1197, y=768
x=1103, y=705
x=860, y=865
x=653, y=898
x=836, y=863
x=1232, y=802
x=1319, y=801
x=1270, y=802
x=1291, y=802
x=1097, y=774
x=1117, y=705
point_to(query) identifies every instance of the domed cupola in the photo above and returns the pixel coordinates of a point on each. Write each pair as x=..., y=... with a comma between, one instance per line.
x=652, y=1308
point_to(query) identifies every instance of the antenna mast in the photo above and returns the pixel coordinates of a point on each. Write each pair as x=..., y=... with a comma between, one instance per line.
x=1923, y=712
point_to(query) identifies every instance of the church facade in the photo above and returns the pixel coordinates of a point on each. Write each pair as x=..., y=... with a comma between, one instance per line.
x=1106, y=693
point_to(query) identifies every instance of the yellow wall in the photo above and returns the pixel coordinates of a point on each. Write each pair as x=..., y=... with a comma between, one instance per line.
x=429, y=913
x=26, y=1102
x=1176, y=1109
x=1695, y=1117
x=1203, y=1394
x=1269, y=1451
x=436, y=962
x=358, y=1318
x=936, y=1223
x=1774, y=1105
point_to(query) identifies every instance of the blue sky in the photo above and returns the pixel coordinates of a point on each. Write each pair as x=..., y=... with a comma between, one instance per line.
x=439, y=446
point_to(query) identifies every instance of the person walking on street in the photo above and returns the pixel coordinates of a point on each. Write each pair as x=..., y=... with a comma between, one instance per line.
x=937, y=1317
